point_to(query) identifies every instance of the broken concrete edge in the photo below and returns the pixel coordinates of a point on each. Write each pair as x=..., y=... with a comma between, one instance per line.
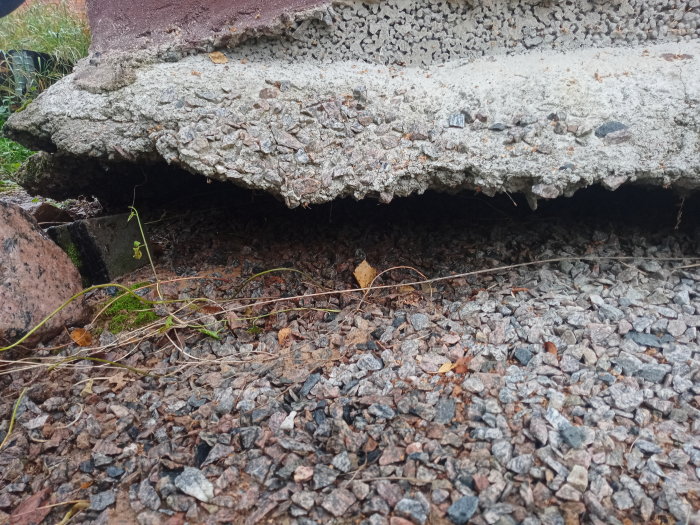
x=134, y=24
x=112, y=66
x=101, y=248
x=310, y=133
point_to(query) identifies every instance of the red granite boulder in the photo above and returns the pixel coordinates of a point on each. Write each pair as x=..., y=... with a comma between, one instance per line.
x=36, y=277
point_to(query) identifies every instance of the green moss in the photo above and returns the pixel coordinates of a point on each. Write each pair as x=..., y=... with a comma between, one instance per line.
x=72, y=250
x=128, y=312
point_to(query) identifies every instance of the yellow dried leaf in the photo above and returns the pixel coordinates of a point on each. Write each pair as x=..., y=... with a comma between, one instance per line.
x=446, y=367
x=218, y=57
x=81, y=337
x=365, y=274
x=87, y=390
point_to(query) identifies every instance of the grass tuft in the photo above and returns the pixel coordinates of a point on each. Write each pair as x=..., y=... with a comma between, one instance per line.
x=55, y=29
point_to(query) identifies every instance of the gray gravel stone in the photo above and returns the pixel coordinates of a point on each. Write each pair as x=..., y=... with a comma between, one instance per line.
x=523, y=355
x=102, y=500
x=148, y=495
x=462, y=510
x=193, y=483
x=521, y=464
x=419, y=321
x=338, y=502
x=323, y=476
x=412, y=510
x=382, y=411
x=653, y=372
x=572, y=436
x=369, y=362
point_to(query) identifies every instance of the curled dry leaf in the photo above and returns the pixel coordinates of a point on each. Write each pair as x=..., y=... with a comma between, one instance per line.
x=235, y=322
x=211, y=309
x=87, y=390
x=32, y=510
x=81, y=337
x=119, y=380
x=550, y=348
x=365, y=274
x=284, y=335
x=218, y=57
x=462, y=365
x=446, y=367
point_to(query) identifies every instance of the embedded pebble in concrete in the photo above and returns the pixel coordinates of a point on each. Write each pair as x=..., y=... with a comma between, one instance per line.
x=393, y=98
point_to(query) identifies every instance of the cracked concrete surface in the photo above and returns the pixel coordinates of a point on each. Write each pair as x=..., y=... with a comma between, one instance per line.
x=393, y=98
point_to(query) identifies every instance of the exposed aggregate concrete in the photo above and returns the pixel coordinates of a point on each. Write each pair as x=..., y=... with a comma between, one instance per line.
x=392, y=98
x=421, y=33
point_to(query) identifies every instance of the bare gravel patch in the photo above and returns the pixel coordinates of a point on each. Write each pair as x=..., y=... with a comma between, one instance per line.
x=552, y=393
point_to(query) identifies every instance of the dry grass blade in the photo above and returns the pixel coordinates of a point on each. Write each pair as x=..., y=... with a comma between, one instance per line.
x=13, y=418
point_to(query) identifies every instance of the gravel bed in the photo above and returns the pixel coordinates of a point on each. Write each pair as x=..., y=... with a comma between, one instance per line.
x=557, y=393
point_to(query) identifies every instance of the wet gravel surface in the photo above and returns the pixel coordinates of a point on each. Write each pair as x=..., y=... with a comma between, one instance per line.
x=566, y=392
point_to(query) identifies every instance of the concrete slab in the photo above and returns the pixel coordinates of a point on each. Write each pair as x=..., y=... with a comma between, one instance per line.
x=391, y=98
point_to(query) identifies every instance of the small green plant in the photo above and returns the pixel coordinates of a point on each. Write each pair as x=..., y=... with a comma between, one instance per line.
x=12, y=155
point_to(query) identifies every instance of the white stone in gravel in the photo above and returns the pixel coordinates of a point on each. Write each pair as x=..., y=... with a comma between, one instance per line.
x=193, y=483
x=473, y=384
x=568, y=493
x=676, y=328
x=36, y=422
x=538, y=429
x=521, y=464
x=119, y=410
x=288, y=423
x=432, y=362
x=578, y=478
x=623, y=500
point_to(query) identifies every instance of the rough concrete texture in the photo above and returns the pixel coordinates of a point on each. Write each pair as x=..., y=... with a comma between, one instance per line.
x=323, y=110
x=36, y=277
x=103, y=246
x=386, y=31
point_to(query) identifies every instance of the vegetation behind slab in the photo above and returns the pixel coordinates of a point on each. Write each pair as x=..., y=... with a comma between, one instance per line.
x=54, y=29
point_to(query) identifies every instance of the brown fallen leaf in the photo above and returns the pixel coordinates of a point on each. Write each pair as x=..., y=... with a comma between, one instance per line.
x=31, y=510
x=365, y=274
x=218, y=57
x=119, y=380
x=462, y=365
x=284, y=335
x=235, y=322
x=81, y=337
x=211, y=309
x=370, y=445
x=551, y=348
